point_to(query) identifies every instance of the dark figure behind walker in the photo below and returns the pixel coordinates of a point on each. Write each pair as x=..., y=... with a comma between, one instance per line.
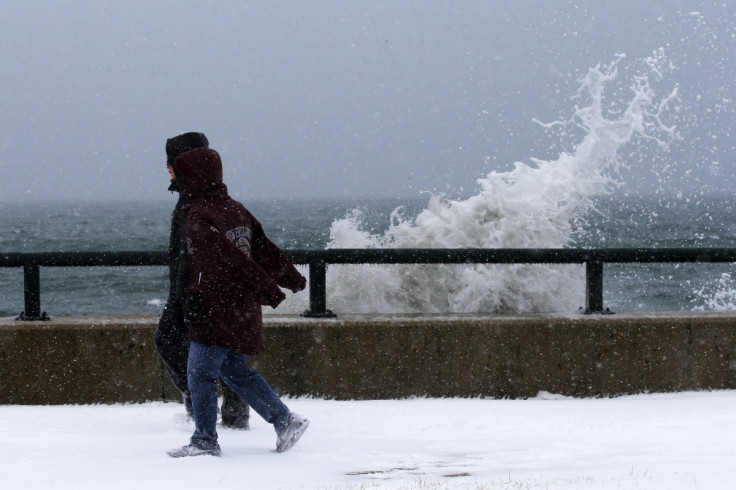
x=172, y=335
x=232, y=270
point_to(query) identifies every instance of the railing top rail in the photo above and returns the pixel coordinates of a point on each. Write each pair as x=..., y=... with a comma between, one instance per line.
x=512, y=255
x=399, y=256
x=81, y=259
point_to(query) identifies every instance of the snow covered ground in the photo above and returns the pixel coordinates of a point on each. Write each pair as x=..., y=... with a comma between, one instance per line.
x=659, y=441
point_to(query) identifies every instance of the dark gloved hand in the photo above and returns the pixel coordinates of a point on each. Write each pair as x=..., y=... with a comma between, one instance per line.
x=276, y=299
x=195, y=307
x=300, y=286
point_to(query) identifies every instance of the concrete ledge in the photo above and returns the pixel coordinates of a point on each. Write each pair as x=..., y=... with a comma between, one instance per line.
x=113, y=359
x=79, y=360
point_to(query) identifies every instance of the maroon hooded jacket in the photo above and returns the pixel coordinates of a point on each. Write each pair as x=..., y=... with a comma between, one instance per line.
x=233, y=267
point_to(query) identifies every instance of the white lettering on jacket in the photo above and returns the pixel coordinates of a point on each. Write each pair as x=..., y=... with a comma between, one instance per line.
x=241, y=237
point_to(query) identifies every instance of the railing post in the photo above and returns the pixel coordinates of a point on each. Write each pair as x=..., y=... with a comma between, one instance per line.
x=318, y=291
x=32, y=292
x=594, y=286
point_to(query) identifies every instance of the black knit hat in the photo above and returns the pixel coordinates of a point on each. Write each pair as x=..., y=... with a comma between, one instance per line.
x=184, y=142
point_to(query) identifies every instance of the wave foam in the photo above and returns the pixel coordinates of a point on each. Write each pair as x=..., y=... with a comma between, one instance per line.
x=534, y=205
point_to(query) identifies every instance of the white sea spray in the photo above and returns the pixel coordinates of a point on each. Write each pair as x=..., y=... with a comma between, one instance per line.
x=533, y=205
x=720, y=297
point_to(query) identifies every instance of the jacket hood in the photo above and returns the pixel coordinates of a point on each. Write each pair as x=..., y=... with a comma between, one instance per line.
x=199, y=172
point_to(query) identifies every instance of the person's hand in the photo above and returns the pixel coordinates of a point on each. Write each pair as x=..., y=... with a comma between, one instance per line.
x=195, y=307
x=300, y=286
x=276, y=299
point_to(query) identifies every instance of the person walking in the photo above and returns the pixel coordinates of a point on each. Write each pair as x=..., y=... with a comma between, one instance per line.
x=172, y=335
x=233, y=270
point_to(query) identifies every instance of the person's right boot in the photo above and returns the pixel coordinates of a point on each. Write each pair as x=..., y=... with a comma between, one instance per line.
x=289, y=435
x=235, y=412
x=188, y=405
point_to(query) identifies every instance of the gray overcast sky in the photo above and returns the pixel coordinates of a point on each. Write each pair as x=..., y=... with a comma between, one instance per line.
x=337, y=98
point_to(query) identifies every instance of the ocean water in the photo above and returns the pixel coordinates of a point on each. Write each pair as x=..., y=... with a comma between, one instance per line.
x=578, y=198
x=617, y=222
x=110, y=226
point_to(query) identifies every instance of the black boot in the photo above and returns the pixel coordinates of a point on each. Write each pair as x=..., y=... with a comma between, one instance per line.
x=188, y=404
x=235, y=412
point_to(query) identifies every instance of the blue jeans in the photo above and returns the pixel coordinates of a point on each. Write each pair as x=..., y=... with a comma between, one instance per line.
x=206, y=365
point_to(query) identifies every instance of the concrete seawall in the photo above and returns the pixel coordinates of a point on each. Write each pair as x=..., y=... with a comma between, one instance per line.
x=108, y=359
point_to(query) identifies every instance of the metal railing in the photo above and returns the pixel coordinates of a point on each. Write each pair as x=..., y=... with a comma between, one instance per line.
x=317, y=260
